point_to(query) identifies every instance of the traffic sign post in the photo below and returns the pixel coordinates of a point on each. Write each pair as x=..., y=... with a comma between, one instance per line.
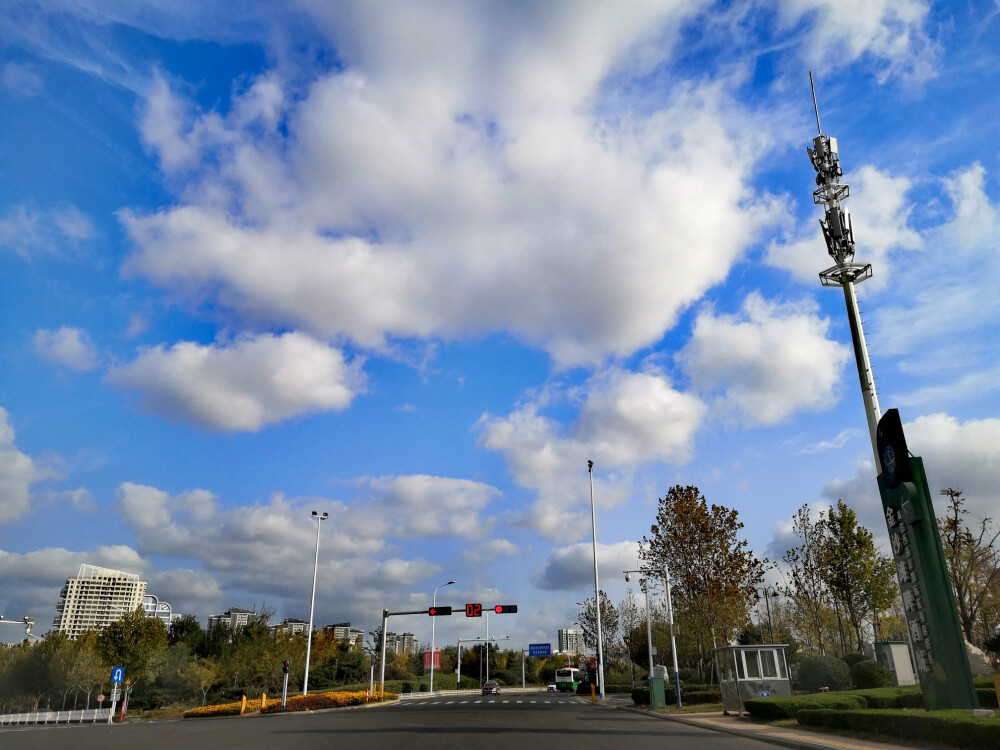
x=117, y=678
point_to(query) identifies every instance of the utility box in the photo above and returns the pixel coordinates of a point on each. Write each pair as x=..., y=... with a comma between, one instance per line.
x=895, y=656
x=745, y=672
x=657, y=698
x=660, y=671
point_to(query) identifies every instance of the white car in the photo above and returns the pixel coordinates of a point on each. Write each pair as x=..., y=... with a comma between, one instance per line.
x=551, y=687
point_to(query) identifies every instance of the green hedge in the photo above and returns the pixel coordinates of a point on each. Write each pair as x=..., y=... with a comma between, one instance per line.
x=908, y=696
x=956, y=728
x=775, y=709
x=640, y=696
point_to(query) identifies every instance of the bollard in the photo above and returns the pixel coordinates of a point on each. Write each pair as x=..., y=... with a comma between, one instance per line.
x=263, y=701
x=243, y=705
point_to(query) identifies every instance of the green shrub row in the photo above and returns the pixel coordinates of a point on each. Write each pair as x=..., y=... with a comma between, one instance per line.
x=776, y=709
x=955, y=728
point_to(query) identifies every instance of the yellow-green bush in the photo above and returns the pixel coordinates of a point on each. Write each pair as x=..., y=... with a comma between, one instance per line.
x=326, y=700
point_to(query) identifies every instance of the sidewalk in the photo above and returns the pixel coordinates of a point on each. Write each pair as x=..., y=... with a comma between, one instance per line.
x=786, y=736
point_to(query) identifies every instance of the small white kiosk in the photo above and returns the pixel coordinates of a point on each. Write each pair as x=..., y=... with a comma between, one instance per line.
x=755, y=671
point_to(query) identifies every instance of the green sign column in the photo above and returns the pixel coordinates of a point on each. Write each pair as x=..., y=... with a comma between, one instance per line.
x=925, y=587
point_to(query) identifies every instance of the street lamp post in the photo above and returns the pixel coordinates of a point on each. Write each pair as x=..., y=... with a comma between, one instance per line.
x=673, y=637
x=312, y=603
x=597, y=587
x=649, y=629
x=767, y=592
x=433, y=621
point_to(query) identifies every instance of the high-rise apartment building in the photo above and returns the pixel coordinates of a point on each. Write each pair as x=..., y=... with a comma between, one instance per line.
x=400, y=643
x=234, y=617
x=571, y=641
x=343, y=631
x=95, y=598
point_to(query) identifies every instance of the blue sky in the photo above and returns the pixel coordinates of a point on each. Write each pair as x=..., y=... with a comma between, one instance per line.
x=414, y=264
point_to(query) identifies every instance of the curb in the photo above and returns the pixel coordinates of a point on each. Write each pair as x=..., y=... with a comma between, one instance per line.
x=754, y=734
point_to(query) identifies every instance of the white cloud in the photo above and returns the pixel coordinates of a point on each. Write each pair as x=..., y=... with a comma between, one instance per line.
x=770, y=361
x=69, y=347
x=257, y=380
x=626, y=419
x=422, y=203
x=17, y=473
x=21, y=79
x=423, y=506
x=572, y=567
x=880, y=216
x=28, y=231
x=889, y=31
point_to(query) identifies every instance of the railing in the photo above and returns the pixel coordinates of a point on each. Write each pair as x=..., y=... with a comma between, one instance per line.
x=56, y=717
x=468, y=691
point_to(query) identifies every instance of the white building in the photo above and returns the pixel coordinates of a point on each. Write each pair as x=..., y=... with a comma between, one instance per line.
x=343, y=631
x=571, y=641
x=234, y=617
x=291, y=625
x=95, y=598
x=400, y=643
x=161, y=610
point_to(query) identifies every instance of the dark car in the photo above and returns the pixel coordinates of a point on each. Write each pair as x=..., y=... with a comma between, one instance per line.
x=491, y=688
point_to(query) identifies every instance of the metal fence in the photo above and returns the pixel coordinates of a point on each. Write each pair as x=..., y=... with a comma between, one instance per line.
x=56, y=717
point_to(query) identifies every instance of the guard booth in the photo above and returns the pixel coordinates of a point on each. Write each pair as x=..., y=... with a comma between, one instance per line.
x=755, y=671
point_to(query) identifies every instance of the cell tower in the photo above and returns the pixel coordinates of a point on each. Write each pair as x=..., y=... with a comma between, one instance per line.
x=839, y=235
x=932, y=624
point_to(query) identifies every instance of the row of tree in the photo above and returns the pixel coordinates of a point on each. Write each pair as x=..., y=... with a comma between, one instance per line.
x=837, y=592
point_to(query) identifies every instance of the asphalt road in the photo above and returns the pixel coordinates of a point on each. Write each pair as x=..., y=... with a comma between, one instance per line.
x=510, y=721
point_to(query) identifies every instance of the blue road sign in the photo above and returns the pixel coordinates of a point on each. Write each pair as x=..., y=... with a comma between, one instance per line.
x=117, y=674
x=539, y=649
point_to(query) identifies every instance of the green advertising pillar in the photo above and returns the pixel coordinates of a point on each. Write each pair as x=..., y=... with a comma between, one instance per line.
x=928, y=604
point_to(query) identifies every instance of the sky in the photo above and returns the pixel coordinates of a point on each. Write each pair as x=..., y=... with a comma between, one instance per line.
x=414, y=264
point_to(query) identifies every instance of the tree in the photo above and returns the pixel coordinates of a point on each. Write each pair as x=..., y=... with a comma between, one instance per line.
x=609, y=625
x=712, y=570
x=858, y=576
x=972, y=559
x=135, y=642
x=808, y=589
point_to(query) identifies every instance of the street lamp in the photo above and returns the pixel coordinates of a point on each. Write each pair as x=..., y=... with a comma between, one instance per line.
x=767, y=592
x=433, y=621
x=597, y=588
x=649, y=628
x=312, y=603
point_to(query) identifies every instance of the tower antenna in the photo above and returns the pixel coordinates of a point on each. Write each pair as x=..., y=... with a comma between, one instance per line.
x=819, y=128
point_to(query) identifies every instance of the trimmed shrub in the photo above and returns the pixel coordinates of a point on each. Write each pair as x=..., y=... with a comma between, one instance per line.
x=908, y=696
x=955, y=728
x=987, y=697
x=325, y=700
x=868, y=673
x=775, y=709
x=640, y=696
x=853, y=658
x=821, y=670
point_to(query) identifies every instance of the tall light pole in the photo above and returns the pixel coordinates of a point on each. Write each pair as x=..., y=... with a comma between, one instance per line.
x=434, y=601
x=312, y=603
x=767, y=592
x=597, y=588
x=649, y=627
x=673, y=637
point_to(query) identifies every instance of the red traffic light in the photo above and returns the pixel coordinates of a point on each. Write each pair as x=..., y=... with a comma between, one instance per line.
x=439, y=611
x=473, y=610
x=505, y=609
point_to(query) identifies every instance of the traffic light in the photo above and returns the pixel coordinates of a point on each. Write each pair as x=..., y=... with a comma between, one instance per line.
x=284, y=666
x=439, y=611
x=505, y=609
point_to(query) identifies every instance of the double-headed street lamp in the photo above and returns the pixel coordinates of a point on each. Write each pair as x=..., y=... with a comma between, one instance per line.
x=644, y=584
x=312, y=603
x=767, y=592
x=433, y=621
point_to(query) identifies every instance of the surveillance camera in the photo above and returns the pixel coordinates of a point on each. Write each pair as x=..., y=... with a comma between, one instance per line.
x=628, y=577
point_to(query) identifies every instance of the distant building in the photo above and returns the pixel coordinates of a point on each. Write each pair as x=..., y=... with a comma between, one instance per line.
x=291, y=625
x=95, y=598
x=234, y=617
x=162, y=611
x=571, y=641
x=400, y=643
x=343, y=631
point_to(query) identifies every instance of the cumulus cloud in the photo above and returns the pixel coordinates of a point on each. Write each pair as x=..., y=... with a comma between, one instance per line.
x=257, y=380
x=879, y=214
x=769, y=361
x=69, y=347
x=28, y=231
x=890, y=33
x=18, y=472
x=626, y=419
x=416, y=202
x=421, y=506
x=572, y=567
